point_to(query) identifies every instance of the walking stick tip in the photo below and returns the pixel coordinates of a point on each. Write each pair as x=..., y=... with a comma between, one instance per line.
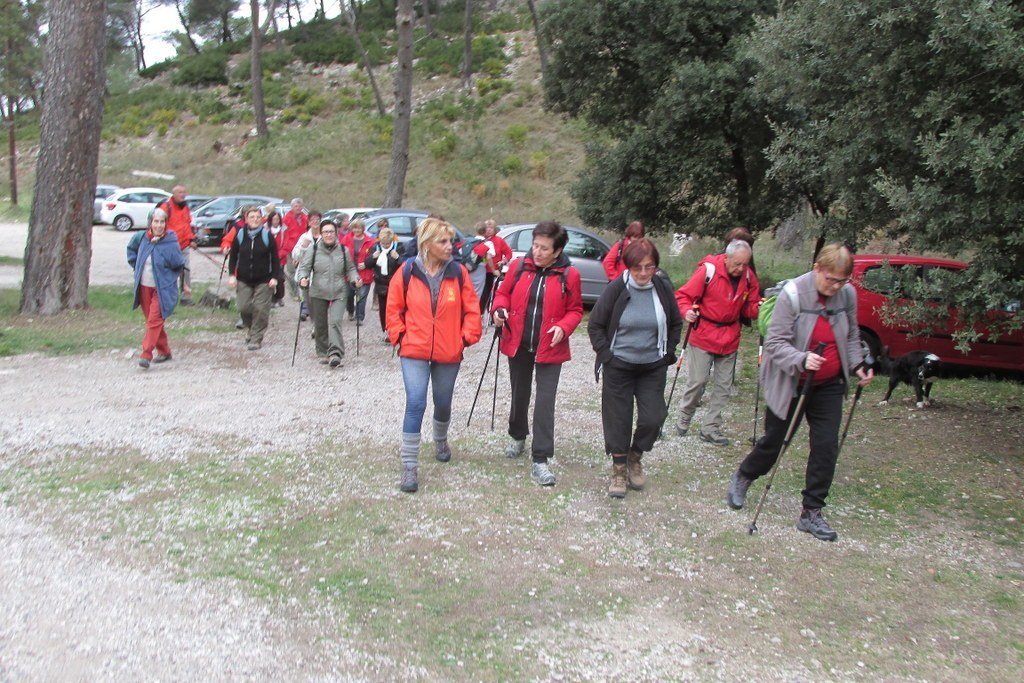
x=751, y=529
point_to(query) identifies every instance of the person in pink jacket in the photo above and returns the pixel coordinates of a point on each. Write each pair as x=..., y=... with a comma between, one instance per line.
x=536, y=308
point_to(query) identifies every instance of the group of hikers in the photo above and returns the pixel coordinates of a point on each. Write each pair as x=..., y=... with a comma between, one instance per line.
x=433, y=296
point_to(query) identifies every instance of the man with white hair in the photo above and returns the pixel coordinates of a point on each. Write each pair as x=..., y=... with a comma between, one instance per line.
x=721, y=290
x=296, y=222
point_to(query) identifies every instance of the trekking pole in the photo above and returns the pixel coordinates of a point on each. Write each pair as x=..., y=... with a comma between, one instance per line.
x=295, y=347
x=358, y=321
x=849, y=418
x=757, y=392
x=793, y=423
x=494, y=397
x=497, y=333
x=679, y=363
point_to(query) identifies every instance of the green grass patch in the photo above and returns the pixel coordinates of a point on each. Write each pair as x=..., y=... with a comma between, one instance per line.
x=109, y=322
x=11, y=261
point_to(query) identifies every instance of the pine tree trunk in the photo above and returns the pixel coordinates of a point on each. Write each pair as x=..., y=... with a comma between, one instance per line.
x=60, y=226
x=404, y=19
x=541, y=48
x=256, y=73
x=350, y=16
x=467, y=49
x=12, y=149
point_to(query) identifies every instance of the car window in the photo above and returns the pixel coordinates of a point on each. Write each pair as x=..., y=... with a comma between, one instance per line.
x=154, y=198
x=581, y=245
x=219, y=206
x=521, y=241
x=894, y=281
x=401, y=225
x=134, y=198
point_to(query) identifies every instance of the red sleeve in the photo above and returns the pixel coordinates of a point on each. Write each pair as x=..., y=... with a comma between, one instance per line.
x=611, y=260
x=692, y=291
x=472, y=327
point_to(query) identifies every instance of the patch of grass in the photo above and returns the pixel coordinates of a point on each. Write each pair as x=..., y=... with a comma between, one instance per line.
x=109, y=322
x=11, y=261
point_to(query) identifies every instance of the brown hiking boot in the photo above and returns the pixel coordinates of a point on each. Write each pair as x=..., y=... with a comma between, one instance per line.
x=617, y=487
x=635, y=471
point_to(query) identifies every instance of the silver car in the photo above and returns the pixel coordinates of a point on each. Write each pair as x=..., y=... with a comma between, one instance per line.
x=211, y=220
x=585, y=250
x=102, y=192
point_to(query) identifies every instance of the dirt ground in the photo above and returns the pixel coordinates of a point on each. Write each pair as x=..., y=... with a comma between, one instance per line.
x=227, y=516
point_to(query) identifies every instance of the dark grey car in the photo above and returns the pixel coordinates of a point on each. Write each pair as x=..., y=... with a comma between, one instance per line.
x=585, y=250
x=211, y=220
x=102, y=192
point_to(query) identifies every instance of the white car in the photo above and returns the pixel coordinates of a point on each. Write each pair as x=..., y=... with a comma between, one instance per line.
x=130, y=208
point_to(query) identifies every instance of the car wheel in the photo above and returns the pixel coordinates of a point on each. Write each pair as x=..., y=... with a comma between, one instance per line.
x=871, y=340
x=123, y=223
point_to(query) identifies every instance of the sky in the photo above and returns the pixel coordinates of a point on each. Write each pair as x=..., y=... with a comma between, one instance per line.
x=162, y=19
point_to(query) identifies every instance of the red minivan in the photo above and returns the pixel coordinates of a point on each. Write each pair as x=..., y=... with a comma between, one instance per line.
x=877, y=277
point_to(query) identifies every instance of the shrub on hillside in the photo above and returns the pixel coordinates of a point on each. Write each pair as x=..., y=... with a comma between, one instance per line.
x=516, y=133
x=493, y=87
x=270, y=63
x=442, y=146
x=338, y=48
x=158, y=68
x=511, y=165
x=208, y=68
x=441, y=55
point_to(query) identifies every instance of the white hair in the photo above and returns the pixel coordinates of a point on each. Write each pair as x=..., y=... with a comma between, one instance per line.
x=158, y=213
x=737, y=246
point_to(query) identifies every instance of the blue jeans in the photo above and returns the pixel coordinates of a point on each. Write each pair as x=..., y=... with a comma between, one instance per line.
x=416, y=374
x=356, y=301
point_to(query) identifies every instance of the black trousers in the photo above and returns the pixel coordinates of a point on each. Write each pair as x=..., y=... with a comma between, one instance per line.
x=485, y=296
x=823, y=411
x=521, y=369
x=626, y=383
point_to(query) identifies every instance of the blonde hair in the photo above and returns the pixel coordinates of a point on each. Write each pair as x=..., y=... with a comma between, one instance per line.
x=386, y=234
x=357, y=223
x=835, y=258
x=430, y=229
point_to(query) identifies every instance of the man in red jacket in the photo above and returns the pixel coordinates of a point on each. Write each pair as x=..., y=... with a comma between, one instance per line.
x=296, y=223
x=722, y=289
x=179, y=219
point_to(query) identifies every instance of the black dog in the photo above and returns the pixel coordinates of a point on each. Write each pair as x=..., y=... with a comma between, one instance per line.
x=918, y=369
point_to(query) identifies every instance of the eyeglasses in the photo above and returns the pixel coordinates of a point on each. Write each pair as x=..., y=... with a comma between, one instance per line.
x=836, y=280
x=649, y=268
x=328, y=231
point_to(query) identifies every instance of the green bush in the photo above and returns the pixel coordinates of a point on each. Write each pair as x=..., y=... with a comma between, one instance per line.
x=493, y=67
x=504, y=22
x=208, y=68
x=511, y=165
x=160, y=67
x=442, y=146
x=439, y=55
x=493, y=86
x=288, y=115
x=314, y=105
x=336, y=48
x=516, y=133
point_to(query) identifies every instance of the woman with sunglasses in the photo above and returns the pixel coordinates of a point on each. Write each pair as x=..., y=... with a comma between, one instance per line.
x=634, y=328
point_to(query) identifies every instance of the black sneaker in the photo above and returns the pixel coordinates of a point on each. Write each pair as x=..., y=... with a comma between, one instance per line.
x=813, y=523
x=335, y=361
x=681, y=431
x=162, y=359
x=716, y=439
x=144, y=363
x=736, y=496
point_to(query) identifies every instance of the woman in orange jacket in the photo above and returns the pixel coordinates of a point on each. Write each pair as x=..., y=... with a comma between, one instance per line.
x=433, y=314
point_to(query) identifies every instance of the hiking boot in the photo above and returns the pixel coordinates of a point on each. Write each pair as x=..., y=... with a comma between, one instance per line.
x=409, y=482
x=159, y=358
x=515, y=448
x=186, y=302
x=254, y=346
x=813, y=523
x=681, y=431
x=443, y=451
x=542, y=474
x=144, y=363
x=715, y=438
x=239, y=325
x=635, y=471
x=617, y=486
x=335, y=361
x=736, y=496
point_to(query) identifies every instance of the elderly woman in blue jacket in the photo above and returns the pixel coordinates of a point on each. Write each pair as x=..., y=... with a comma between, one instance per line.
x=157, y=260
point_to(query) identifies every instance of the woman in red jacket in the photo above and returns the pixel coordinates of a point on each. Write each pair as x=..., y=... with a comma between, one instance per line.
x=613, y=263
x=538, y=305
x=433, y=314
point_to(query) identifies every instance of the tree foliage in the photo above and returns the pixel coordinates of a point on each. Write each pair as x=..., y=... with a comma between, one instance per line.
x=906, y=118
x=666, y=85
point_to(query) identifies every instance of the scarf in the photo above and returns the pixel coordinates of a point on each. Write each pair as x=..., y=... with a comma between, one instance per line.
x=659, y=311
x=385, y=257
